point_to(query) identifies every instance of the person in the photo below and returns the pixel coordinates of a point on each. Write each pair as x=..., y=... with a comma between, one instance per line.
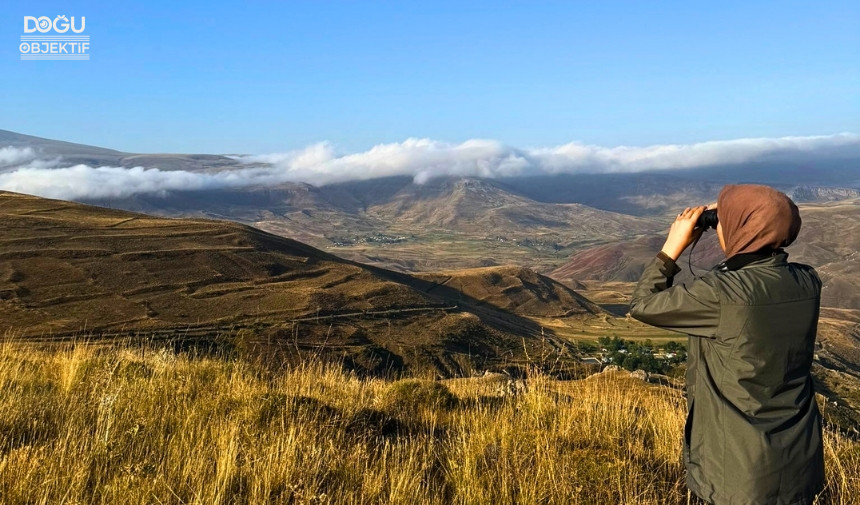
x=753, y=429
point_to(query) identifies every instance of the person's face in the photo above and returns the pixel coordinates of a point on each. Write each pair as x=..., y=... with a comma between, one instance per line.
x=720, y=236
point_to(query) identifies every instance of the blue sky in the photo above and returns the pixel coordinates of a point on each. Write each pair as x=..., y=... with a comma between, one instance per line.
x=258, y=77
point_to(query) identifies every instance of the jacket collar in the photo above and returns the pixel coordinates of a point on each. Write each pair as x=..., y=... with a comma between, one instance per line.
x=739, y=261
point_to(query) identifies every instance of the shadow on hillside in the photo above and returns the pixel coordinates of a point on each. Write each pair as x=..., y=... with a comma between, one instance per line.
x=491, y=316
x=617, y=309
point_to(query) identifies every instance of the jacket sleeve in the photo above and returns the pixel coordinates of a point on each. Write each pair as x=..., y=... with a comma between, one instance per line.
x=693, y=309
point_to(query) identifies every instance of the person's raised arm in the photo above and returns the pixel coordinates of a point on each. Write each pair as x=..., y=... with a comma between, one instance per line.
x=694, y=310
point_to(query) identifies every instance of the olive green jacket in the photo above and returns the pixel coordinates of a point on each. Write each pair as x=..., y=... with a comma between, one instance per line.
x=753, y=430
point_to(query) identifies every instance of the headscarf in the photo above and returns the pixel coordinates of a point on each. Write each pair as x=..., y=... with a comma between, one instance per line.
x=755, y=218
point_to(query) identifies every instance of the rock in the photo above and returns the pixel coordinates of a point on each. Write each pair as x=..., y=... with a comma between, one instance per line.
x=512, y=388
x=493, y=376
x=639, y=374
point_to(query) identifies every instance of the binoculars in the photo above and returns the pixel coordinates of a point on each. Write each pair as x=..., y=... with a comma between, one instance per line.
x=708, y=219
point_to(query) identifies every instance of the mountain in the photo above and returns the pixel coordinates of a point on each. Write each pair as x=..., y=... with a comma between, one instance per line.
x=662, y=193
x=470, y=205
x=446, y=223
x=70, y=154
x=622, y=261
x=452, y=223
x=76, y=271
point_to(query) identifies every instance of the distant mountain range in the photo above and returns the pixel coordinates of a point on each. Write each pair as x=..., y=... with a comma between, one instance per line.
x=803, y=176
x=573, y=227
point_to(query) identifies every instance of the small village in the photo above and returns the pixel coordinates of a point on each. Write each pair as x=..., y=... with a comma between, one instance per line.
x=632, y=355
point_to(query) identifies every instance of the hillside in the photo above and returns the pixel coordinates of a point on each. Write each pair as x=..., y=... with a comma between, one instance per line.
x=830, y=241
x=478, y=206
x=446, y=223
x=660, y=193
x=69, y=154
x=517, y=290
x=74, y=270
x=122, y=426
x=452, y=223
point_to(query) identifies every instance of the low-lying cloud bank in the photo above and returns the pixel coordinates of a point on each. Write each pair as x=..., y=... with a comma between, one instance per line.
x=423, y=159
x=13, y=155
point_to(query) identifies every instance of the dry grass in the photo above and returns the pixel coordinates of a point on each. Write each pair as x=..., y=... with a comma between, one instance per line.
x=124, y=425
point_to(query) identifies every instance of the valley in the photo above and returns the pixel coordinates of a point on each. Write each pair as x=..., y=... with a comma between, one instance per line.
x=451, y=277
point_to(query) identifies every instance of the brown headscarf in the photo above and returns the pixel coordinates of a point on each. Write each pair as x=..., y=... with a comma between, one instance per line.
x=755, y=217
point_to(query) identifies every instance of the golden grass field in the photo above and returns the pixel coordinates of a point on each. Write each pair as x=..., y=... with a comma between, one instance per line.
x=121, y=424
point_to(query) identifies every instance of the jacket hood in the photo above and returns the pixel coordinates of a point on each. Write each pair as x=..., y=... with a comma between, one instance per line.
x=755, y=217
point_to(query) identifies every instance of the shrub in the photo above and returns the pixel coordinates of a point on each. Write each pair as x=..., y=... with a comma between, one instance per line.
x=409, y=397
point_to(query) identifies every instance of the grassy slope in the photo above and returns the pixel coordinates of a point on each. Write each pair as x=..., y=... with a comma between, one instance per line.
x=70, y=269
x=128, y=425
x=67, y=265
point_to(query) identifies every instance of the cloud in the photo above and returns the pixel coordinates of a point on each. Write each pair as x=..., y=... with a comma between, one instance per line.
x=12, y=158
x=82, y=182
x=14, y=155
x=674, y=156
x=422, y=159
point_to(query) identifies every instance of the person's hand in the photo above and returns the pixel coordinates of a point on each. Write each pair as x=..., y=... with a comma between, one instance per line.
x=683, y=232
